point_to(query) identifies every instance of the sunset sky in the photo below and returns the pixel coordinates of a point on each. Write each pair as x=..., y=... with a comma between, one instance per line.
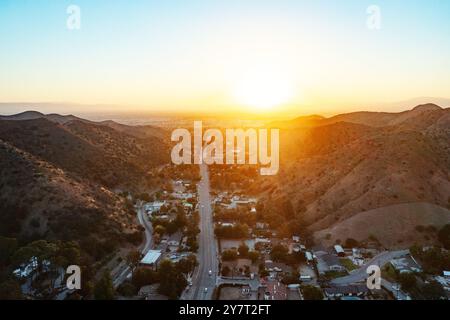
x=259, y=56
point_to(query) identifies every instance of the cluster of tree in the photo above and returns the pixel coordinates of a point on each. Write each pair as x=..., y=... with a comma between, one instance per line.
x=224, y=177
x=280, y=215
x=171, y=277
x=238, y=231
x=104, y=288
x=229, y=255
x=192, y=231
x=312, y=293
x=280, y=253
x=428, y=291
x=242, y=252
x=241, y=215
x=162, y=226
x=55, y=255
x=434, y=260
x=97, y=236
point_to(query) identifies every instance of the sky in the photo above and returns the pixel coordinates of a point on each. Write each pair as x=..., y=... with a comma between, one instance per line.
x=282, y=56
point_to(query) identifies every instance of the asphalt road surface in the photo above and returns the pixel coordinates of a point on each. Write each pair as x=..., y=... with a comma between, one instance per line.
x=203, y=283
x=125, y=271
x=361, y=275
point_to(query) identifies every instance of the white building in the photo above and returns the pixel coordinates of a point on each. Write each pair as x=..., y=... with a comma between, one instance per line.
x=151, y=259
x=339, y=250
x=153, y=207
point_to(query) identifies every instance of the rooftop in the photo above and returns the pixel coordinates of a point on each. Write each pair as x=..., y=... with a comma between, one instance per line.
x=151, y=257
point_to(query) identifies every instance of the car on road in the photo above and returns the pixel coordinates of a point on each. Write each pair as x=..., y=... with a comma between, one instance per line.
x=210, y=273
x=206, y=290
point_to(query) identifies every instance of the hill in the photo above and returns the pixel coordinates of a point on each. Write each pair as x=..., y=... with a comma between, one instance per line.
x=88, y=150
x=339, y=169
x=402, y=225
x=40, y=201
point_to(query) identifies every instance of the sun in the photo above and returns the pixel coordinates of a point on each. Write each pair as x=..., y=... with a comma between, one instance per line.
x=262, y=90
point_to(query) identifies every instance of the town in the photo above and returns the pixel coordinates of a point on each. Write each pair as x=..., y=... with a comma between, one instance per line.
x=204, y=243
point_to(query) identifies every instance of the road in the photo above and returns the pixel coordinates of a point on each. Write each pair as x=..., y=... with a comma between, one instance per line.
x=361, y=275
x=124, y=271
x=207, y=252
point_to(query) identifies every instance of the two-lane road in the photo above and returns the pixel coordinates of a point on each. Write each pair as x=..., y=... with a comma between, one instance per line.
x=204, y=282
x=361, y=274
x=124, y=270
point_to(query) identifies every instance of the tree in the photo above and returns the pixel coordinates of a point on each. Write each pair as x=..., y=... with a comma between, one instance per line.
x=312, y=293
x=229, y=255
x=144, y=277
x=187, y=265
x=444, y=236
x=226, y=271
x=279, y=253
x=159, y=229
x=243, y=250
x=253, y=255
x=433, y=291
x=133, y=258
x=41, y=250
x=172, y=282
x=104, y=289
x=127, y=289
x=407, y=281
x=351, y=243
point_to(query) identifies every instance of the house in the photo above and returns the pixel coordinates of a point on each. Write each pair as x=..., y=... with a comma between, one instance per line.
x=444, y=280
x=151, y=259
x=227, y=224
x=339, y=250
x=25, y=270
x=261, y=225
x=356, y=253
x=357, y=290
x=154, y=207
x=405, y=265
x=240, y=268
x=275, y=268
x=296, y=239
x=327, y=262
x=309, y=256
x=273, y=290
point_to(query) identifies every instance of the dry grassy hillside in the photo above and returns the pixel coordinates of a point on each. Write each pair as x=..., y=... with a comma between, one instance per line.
x=87, y=150
x=38, y=200
x=332, y=172
x=396, y=226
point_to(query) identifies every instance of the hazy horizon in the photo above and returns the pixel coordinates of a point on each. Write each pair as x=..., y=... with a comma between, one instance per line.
x=105, y=112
